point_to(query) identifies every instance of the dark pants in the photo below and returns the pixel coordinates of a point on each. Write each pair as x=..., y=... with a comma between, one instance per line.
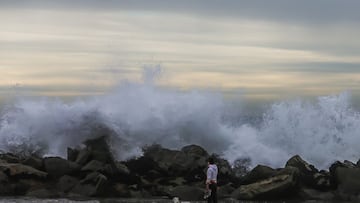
x=213, y=196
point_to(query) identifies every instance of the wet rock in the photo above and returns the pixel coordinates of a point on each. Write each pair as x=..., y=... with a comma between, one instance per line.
x=83, y=157
x=348, y=180
x=42, y=193
x=307, y=171
x=66, y=183
x=57, y=167
x=94, y=184
x=20, y=170
x=187, y=193
x=121, y=190
x=3, y=178
x=34, y=162
x=225, y=191
x=312, y=194
x=100, y=150
x=72, y=154
x=275, y=187
x=260, y=172
x=10, y=158
x=93, y=165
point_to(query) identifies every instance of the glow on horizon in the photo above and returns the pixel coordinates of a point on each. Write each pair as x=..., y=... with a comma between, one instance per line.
x=64, y=52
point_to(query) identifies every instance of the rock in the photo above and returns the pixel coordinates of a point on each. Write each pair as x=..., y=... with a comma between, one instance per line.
x=322, y=181
x=93, y=165
x=307, y=171
x=260, y=172
x=187, y=193
x=66, y=183
x=225, y=191
x=100, y=150
x=94, y=184
x=272, y=188
x=42, y=193
x=10, y=158
x=20, y=170
x=311, y=194
x=34, y=162
x=72, y=154
x=195, y=150
x=333, y=168
x=121, y=190
x=122, y=169
x=83, y=157
x=57, y=167
x=3, y=178
x=348, y=180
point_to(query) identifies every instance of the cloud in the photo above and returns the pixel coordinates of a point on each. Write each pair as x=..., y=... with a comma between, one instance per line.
x=309, y=11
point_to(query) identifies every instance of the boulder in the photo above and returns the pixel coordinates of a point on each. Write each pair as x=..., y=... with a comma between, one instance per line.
x=10, y=158
x=348, y=180
x=66, y=183
x=20, y=170
x=312, y=194
x=334, y=167
x=121, y=190
x=3, y=178
x=276, y=187
x=94, y=184
x=83, y=157
x=57, y=167
x=187, y=193
x=99, y=150
x=34, y=162
x=307, y=171
x=260, y=172
x=72, y=154
x=93, y=165
x=43, y=193
x=225, y=191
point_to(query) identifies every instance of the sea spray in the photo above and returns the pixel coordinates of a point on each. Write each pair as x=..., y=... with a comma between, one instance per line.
x=143, y=113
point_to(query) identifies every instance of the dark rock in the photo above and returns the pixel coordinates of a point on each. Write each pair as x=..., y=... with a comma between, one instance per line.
x=225, y=191
x=260, y=172
x=57, y=167
x=10, y=158
x=20, y=170
x=333, y=168
x=276, y=187
x=3, y=178
x=348, y=180
x=100, y=150
x=323, y=181
x=42, y=193
x=66, y=183
x=307, y=171
x=187, y=193
x=195, y=150
x=83, y=157
x=94, y=184
x=34, y=162
x=121, y=190
x=93, y=165
x=311, y=194
x=72, y=154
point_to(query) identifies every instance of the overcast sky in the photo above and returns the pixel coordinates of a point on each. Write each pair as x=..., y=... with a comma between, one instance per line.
x=267, y=49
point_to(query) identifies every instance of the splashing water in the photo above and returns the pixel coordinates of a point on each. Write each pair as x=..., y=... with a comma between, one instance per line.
x=143, y=113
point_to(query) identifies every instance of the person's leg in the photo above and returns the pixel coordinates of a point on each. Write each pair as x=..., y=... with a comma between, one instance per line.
x=214, y=193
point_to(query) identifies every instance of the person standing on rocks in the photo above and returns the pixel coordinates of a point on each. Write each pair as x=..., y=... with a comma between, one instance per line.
x=211, y=180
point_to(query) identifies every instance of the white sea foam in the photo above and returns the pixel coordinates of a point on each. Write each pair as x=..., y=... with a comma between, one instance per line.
x=143, y=113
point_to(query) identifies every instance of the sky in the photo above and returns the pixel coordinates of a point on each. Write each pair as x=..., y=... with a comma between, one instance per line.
x=266, y=50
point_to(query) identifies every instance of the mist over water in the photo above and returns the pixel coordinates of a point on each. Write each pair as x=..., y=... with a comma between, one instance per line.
x=142, y=113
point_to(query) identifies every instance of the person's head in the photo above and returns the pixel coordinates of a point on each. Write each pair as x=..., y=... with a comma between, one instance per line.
x=211, y=160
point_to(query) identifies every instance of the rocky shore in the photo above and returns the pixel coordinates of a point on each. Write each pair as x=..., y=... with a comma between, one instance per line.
x=162, y=173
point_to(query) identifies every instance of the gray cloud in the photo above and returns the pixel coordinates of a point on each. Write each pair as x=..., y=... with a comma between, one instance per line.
x=309, y=11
